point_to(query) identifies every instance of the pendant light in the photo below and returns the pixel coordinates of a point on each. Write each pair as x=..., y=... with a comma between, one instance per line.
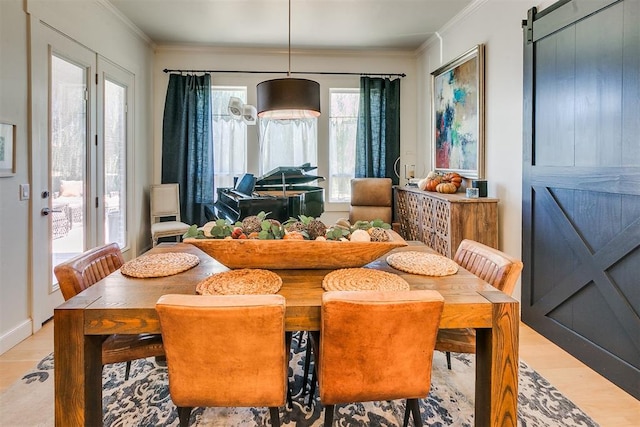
x=288, y=98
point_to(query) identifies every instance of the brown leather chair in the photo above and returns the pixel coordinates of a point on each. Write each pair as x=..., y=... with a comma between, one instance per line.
x=491, y=265
x=225, y=351
x=371, y=198
x=84, y=270
x=376, y=345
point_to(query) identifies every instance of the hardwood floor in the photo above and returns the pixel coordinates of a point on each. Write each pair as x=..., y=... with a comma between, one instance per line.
x=607, y=404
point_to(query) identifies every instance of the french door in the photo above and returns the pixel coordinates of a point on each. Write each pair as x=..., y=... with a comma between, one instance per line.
x=79, y=158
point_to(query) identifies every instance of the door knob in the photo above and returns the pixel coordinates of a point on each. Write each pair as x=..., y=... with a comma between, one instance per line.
x=47, y=211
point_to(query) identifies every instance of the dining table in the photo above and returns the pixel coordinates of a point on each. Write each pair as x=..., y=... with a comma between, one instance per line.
x=124, y=305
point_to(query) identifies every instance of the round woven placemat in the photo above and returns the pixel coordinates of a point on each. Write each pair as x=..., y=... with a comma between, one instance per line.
x=246, y=281
x=363, y=279
x=415, y=262
x=159, y=265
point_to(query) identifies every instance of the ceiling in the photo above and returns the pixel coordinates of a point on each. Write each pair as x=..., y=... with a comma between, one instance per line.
x=315, y=24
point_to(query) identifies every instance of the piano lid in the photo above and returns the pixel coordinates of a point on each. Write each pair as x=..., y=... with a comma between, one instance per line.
x=292, y=175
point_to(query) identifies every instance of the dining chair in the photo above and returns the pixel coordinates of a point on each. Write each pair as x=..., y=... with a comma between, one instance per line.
x=84, y=270
x=165, y=203
x=225, y=351
x=494, y=267
x=376, y=345
x=371, y=198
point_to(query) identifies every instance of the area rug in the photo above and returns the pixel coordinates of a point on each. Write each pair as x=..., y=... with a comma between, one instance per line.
x=144, y=400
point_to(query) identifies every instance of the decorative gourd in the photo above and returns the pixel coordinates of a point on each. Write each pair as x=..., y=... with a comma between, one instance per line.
x=454, y=178
x=433, y=179
x=422, y=184
x=446, y=187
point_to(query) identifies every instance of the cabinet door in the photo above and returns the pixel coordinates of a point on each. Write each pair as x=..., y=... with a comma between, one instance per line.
x=409, y=214
x=441, y=218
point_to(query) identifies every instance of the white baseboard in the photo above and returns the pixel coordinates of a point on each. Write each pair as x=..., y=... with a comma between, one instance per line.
x=15, y=336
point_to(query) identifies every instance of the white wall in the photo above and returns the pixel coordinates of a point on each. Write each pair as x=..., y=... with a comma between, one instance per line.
x=190, y=58
x=496, y=24
x=14, y=227
x=94, y=25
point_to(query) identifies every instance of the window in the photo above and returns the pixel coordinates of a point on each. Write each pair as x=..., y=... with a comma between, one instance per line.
x=115, y=162
x=229, y=137
x=343, y=125
x=288, y=143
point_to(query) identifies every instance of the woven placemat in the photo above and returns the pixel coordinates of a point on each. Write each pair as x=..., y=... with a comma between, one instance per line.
x=159, y=265
x=415, y=262
x=363, y=279
x=246, y=281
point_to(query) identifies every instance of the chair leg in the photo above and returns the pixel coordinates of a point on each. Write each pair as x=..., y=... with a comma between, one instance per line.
x=275, y=416
x=328, y=415
x=307, y=361
x=407, y=410
x=414, y=406
x=312, y=389
x=127, y=369
x=184, y=414
x=288, y=336
x=300, y=337
x=448, y=360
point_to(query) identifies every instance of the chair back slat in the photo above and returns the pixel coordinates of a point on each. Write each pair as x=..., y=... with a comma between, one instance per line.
x=84, y=270
x=491, y=265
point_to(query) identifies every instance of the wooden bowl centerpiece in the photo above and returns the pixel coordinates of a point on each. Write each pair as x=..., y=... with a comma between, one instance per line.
x=285, y=254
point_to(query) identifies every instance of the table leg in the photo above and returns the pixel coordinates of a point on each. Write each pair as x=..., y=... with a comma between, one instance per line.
x=77, y=371
x=497, y=365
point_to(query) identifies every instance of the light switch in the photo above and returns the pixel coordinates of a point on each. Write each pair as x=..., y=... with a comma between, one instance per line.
x=24, y=192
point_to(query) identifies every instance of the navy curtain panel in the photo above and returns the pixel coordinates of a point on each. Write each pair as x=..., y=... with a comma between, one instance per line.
x=187, y=147
x=378, y=135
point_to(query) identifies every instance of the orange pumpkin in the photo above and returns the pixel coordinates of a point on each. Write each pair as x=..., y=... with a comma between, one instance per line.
x=433, y=183
x=454, y=178
x=446, y=187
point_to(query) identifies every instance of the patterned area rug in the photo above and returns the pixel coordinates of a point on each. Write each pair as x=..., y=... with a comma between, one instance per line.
x=144, y=400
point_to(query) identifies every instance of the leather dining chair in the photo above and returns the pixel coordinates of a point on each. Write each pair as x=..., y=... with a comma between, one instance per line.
x=371, y=198
x=84, y=270
x=491, y=265
x=376, y=345
x=242, y=362
x=165, y=203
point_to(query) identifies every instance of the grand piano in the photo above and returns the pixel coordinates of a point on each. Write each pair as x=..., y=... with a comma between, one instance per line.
x=280, y=192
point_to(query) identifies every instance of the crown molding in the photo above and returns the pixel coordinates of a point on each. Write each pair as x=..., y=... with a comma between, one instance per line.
x=463, y=14
x=203, y=48
x=126, y=21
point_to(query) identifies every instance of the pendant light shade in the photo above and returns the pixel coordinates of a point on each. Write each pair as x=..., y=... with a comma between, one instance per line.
x=288, y=98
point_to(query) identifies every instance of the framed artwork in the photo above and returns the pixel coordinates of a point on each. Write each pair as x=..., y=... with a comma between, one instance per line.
x=7, y=149
x=457, y=90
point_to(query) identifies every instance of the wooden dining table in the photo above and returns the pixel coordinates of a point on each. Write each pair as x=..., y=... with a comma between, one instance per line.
x=124, y=305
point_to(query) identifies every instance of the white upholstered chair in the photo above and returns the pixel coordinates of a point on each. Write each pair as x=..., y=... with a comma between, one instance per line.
x=165, y=203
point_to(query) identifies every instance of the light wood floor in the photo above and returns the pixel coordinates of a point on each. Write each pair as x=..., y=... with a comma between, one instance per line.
x=607, y=404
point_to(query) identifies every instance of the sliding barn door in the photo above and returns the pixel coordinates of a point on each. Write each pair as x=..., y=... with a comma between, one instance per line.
x=581, y=183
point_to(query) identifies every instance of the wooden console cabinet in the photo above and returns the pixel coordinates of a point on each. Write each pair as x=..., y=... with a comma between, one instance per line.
x=442, y=221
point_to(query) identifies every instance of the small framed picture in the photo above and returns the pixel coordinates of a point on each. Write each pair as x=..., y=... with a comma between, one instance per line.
x=7, y=149
x=458, y=115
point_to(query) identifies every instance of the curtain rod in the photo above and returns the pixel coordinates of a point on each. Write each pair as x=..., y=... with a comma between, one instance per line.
x=284, y=72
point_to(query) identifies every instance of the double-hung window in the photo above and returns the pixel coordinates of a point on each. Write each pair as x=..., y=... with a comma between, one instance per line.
x=291, y=142
x=229, y=136
x=343, y=125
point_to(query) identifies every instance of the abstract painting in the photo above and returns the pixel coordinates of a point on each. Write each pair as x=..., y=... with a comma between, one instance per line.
x=7, y=149
x=458, y=115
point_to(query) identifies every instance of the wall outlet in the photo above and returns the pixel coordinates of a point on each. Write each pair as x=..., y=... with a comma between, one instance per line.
x=24, y=192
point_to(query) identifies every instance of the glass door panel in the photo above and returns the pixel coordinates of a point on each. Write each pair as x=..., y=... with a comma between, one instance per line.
x=115, y=162
x=67, y=159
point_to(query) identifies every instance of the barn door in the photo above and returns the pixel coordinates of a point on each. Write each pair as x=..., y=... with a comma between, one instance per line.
x=581, y=183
